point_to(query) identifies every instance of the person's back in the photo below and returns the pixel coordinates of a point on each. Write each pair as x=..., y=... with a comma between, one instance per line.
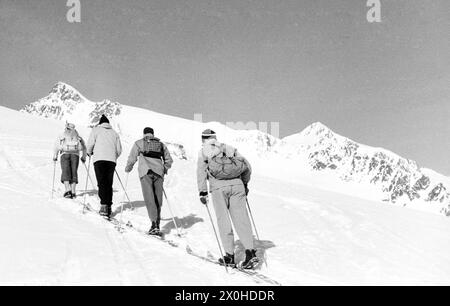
x=154, y=162
x=104, y=143
x=69, y=145
x=228, y=174
x=153, y=155
x=209, y=168
x=105, y=147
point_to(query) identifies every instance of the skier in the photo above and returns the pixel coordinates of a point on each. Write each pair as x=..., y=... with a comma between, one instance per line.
x=105, y=147
x=154, y=162
x=69, y=144
x=228, y=174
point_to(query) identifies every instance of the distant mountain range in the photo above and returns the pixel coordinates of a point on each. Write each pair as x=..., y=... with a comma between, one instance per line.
x=317, y=147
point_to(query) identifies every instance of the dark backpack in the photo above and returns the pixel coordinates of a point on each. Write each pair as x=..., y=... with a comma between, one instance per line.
x=153, y=148
x=223, y=166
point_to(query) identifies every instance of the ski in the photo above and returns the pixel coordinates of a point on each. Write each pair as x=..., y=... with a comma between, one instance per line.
x=128, y=225
x=255, y=275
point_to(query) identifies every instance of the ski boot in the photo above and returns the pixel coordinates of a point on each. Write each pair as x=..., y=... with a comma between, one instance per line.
x=154, y=230
x=68, y=194
x=251, y=260
x=105, y=211
x=227, y=260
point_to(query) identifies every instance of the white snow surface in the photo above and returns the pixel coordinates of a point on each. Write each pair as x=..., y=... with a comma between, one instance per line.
x=310, y=235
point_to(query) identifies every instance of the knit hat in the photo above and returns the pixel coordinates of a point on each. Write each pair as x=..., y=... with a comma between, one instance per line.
x=148, y=130
x=103, y=119
x=208, y=133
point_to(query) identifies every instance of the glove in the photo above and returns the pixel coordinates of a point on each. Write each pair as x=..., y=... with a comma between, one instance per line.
x=55, y=159
x=204, y=197
x=83, y=160
x=246, y=190
x=128, y=169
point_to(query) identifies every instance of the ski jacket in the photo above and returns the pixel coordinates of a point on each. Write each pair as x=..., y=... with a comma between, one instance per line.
x=202, y=169
x=159, y=163
x=104, y=143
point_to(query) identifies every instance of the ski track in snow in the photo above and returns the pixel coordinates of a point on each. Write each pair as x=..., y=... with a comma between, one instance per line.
x=309, y=236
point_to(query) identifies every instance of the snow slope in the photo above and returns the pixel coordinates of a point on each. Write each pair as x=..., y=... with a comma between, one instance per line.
x=310, y=235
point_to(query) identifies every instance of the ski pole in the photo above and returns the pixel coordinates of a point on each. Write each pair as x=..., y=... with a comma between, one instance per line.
x=124, y=190
x=171, y=213
x=54, y=173
x=121, y=209
x=254, y=226
x=251, y=217
x=215, y=233
x=123, y=200
x=90, y=178
x=85, y=188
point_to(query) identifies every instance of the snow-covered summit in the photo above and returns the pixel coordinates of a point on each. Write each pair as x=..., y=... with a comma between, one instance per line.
x=313, y=135
x=61, y=101
x=396, y=179
x=316, y=129
x=64, y=102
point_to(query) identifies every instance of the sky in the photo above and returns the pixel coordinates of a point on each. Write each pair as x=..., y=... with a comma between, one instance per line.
x=294, y=62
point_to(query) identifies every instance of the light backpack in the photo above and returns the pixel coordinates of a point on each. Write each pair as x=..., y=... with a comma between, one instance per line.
x=70, y=144
x=223, y=165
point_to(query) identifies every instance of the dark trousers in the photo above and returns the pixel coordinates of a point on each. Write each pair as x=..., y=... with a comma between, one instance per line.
x=104, y=172
x=69, y=168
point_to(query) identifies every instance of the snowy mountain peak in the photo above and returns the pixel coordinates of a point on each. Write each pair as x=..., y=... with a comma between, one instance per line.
x=65, y=92
x=64, y=102
x=314, y=133
x=316, y=129
x=63, y=87
x=395, y=179
x=58, y=104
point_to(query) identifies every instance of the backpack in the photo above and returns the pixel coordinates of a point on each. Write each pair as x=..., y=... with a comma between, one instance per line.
x=153, y=148
x=223, y=166
x=70, y=144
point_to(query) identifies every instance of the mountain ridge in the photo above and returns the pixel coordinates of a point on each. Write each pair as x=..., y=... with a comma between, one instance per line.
x=399, y=180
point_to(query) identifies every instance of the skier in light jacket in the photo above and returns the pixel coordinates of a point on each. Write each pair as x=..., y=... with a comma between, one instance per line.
x=69, y=144
x=105, y=147
x=229, y=196
x=154, y=162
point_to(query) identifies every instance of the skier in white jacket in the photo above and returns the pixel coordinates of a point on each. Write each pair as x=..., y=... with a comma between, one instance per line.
x=105, y=147
x=228, y=187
